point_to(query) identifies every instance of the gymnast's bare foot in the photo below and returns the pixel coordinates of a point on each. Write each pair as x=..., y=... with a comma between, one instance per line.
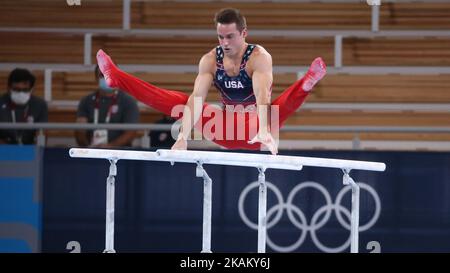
x=107, y=67
x=315, y=73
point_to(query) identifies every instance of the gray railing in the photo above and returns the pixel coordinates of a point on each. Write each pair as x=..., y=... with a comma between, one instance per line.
x=145, y=140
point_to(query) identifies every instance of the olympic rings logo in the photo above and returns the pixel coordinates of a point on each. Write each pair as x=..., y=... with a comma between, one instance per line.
x=315, y=223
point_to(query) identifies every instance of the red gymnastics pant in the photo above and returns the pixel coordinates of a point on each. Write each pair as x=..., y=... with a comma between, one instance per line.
x=164, y=100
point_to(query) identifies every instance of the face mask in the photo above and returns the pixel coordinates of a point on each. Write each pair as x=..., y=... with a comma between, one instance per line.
x=103, y=86
x=20, y=98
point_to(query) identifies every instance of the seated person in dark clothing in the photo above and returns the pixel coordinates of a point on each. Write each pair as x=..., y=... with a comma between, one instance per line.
x=106, y=105
x=19, y=105
x=162, y=139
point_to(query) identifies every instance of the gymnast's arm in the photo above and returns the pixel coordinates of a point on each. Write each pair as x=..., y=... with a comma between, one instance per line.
x=201, y=87
x=262, y=79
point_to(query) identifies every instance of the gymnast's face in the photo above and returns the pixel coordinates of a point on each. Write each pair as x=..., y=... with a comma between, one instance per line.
x=231, y=39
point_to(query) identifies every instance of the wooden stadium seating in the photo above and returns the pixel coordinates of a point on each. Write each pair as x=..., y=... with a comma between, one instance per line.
x=388, y=88
x=69, y=48
x=271, y=15
x=415, y=51
x=72, y=86
x=28, y=47
x=188, y=50
x=413, y=16
x=260, y=15
x=58, y=14
x=411, y=51
x=169, y=14
x=370, y=118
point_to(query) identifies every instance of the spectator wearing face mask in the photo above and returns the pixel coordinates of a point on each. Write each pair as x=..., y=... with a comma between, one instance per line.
x=19, y=105
x=106, y=105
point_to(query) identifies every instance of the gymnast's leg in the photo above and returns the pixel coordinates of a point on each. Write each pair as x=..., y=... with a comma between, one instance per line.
x=293, y=97
x=160, y=99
